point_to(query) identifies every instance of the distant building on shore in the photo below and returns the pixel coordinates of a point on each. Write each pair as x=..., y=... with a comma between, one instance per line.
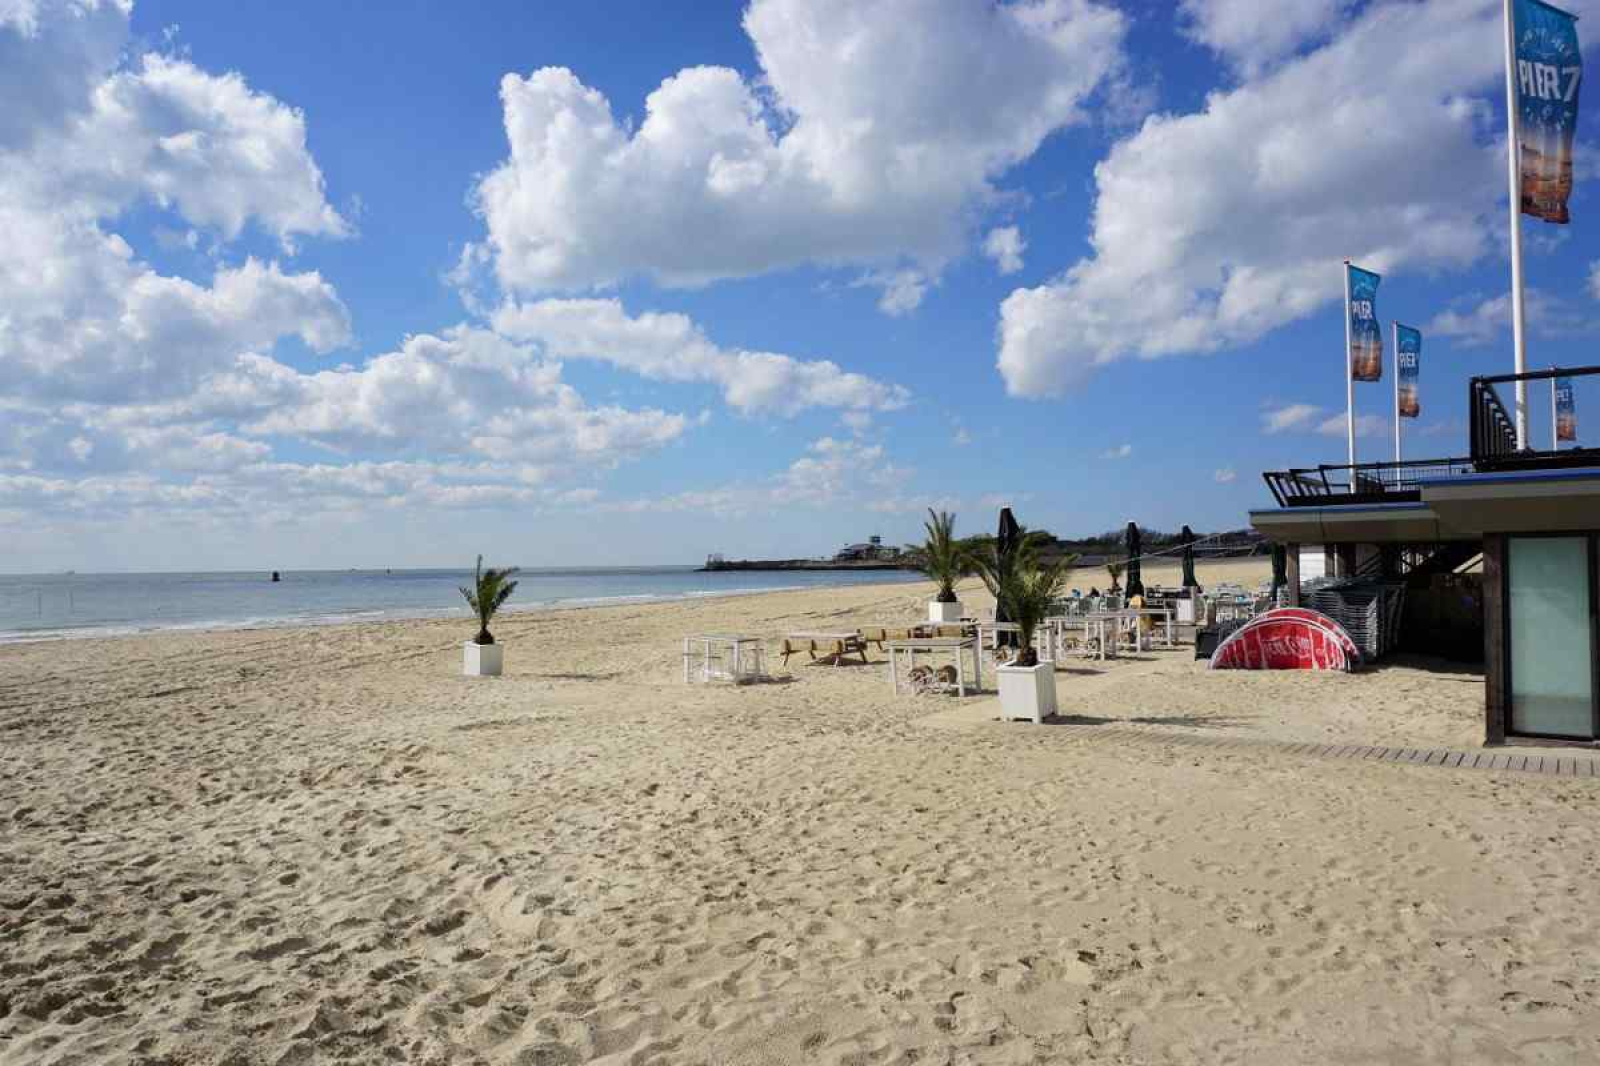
x=872, y=551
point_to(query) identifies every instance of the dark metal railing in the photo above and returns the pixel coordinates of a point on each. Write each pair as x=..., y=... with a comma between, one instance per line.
x=1494, y=434
x=1362, y=483
x=1491, y=433
x=1492, y=441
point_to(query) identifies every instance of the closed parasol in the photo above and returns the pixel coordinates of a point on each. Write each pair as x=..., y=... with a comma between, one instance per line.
x=1135, y=586
x=1189, y=580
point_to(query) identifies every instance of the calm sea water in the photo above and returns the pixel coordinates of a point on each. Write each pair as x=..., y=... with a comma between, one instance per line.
x=46, y=607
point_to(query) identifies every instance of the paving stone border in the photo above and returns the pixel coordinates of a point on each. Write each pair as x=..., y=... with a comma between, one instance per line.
x=1574, y=762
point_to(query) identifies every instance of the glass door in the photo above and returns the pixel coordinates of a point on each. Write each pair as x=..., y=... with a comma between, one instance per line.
x=1550, y=626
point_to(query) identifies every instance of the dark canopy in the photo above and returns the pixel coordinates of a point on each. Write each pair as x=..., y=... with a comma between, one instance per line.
x=1135, y=586
x=1189, y=580
x=1008, y=540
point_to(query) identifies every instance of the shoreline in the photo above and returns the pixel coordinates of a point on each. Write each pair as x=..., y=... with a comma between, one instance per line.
x=382, y=616
x=26, y=638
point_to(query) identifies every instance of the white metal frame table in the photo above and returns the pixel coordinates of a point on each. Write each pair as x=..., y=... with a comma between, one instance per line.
x=931, y=645
x=1100, y=631
x=1164, y=614
x=1044, y=642
x=744, y=658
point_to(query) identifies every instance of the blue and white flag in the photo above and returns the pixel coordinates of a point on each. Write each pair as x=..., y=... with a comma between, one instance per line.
x=1366, y=339
x=1549, y=73
x=1566, y=411
x=1407, y=362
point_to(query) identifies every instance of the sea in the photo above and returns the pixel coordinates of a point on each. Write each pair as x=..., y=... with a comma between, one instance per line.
x=63, y=606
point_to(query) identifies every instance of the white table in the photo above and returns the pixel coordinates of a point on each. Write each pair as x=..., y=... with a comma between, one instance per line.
x=958, y=646
x=722, y=657
x=1043, y=639
x=1099, y=627
x=1163, y=613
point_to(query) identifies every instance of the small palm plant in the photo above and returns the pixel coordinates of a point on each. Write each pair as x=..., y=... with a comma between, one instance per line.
x=490, y=590
x=1028, y=595
x=941, y=556
x=1115, y=570
x=1027, y=590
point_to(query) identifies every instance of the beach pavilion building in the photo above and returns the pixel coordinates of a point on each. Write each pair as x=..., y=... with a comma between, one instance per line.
x=1500, y=546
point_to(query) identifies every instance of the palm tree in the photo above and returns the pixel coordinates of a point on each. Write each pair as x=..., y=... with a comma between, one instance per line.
x=489, y=592
x=1115, y=570
x=941, y=556
x=1026, y=589
x=985, y=557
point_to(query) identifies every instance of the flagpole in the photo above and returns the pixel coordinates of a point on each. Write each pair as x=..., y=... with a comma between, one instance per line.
x=1514, y=185
x=1396, y=326
x=1349, y=380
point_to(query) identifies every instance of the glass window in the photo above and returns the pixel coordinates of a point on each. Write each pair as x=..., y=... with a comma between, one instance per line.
x=1552, y=687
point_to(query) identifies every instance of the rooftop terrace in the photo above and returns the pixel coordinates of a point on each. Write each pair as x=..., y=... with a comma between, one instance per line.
x=1492, y=448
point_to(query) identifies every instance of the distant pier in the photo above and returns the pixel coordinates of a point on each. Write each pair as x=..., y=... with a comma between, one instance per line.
x=716, y=564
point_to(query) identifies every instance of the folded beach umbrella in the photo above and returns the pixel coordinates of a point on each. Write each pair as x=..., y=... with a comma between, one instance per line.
x=1008, y=540
x=1135, y=586
x=1189, y=580
x=1280, y=568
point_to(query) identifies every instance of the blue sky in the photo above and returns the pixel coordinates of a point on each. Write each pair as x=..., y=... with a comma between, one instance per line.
x=302, y=286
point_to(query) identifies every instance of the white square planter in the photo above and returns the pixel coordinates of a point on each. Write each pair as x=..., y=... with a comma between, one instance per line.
x=482, y=660
x=943, y=612
x=1027, y=692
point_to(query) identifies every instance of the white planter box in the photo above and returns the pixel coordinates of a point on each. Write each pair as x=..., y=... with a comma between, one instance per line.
x=943, y=612
x=1027, y=692
x=482, y=660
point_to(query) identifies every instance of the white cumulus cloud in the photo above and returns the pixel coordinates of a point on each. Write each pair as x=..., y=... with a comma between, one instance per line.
x=1366, y=426
x=1252, y=34
x=1005, y=246
x=1212, y=228
x=671, y=347
x=871, y=136
x=1482, y=322
x=81, y=314
x=1292, y=416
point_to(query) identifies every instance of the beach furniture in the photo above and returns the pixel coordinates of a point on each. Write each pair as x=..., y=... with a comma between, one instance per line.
x=1044, y=642
x=723, y=657
x=833, y=646
x=959, y=647
x=880, y=635
x=1146, y=619
x=1099, y=634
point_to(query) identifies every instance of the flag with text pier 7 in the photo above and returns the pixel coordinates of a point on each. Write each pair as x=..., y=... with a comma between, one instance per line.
x=1549, y=73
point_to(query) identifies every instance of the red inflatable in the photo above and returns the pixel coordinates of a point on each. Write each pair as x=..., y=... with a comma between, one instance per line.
x=1288, y=638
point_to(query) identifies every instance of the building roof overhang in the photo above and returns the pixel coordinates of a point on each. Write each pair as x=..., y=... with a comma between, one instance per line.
x=1462, y=507
x=1387, y=523
x=1534, y=501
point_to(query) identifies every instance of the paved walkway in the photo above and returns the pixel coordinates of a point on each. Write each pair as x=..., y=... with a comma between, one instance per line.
x=1555, y=762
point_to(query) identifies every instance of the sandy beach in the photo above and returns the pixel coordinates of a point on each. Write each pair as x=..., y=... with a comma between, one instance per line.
x=314, y=845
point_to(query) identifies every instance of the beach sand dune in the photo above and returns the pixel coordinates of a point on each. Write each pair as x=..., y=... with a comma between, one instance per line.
x=316, y=845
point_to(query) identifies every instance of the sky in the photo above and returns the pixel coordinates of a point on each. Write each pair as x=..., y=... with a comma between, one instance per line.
x=300, y=285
